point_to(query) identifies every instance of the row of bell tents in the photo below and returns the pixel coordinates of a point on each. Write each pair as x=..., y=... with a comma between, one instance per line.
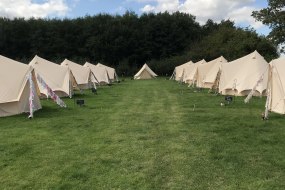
x=21, y=91
x=250, y=75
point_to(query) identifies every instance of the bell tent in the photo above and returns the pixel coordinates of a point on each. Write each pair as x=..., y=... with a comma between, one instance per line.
x=145, y=73
x=57, y=77
x=240, y=76
x=179, y=71
x=208, y=73
x=276, y=86
x=82, y=75
x=192, y=73
x=19, y=89
x=111, y=72
x=100, y=73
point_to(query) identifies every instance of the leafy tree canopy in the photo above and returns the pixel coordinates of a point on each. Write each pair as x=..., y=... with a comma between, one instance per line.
x=274, y=17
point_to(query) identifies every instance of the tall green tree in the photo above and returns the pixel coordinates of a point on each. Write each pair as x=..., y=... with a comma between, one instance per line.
x=274, y=17
x=232, y=42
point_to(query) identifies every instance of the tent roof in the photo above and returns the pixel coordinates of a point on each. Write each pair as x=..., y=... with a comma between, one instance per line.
x=278, y=62
x=107, y=67
x=184, y=65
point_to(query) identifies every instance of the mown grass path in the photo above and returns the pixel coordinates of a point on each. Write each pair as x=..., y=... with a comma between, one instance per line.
x=144, y=135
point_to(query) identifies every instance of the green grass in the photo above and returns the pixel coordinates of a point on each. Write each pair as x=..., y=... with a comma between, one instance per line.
x=144, y=135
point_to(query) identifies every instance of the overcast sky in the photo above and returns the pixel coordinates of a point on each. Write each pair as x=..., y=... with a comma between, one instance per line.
x=236, y=10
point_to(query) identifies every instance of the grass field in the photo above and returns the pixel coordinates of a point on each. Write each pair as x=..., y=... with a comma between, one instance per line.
x=144, y=135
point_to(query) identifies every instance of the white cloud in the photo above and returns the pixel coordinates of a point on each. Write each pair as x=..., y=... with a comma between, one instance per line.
x=161, y=5
x=217, y=10
x=168, y=5
x=148, y=8
x=29, y=8
x=242, y=15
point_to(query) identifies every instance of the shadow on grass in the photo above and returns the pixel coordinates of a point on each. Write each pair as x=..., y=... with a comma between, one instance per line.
x=48, y=111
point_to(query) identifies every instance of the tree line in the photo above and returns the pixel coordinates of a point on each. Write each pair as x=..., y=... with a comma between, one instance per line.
x=127, y=41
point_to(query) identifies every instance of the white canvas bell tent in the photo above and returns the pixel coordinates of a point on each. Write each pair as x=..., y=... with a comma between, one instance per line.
x=240, y=76
x=276, y=86
x=58, y=78
x=100, y=73
x=179, y=71
x=111, y=72
x=191, y=76
x=145, y=73
x=19, y=88
x=82, y=75
x=208, y=73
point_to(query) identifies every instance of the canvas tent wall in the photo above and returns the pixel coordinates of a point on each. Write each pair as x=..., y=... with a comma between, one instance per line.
x=145, y=73
x=57, y=77
x=276, y=86
x=82, y=75
x=111, y=72
x=191, y=76
x=15, y=88
x=240, y=76
x=179, y=71
x=100, y=73
x=186, y=71
x=208, y=72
